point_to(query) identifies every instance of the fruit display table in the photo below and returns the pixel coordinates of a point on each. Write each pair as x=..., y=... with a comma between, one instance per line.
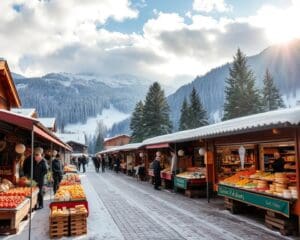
x=10, y=218
x=70, y=204
x=262, y=200
x=193, y=183
x=34, y=198
x=70, y=169
x=167, y=179
x=189, y=183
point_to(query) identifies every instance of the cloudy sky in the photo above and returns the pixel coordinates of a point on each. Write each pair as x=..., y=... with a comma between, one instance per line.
x=171, y=41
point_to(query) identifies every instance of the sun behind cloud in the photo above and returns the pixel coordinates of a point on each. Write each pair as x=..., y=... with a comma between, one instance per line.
x=281, y=25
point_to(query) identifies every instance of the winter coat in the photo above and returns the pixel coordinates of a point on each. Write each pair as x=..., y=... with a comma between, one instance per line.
x=57, y=168
x=39, y=172
x=278, y=165
x=27, y=167
x=96, y=161
x=156, y=168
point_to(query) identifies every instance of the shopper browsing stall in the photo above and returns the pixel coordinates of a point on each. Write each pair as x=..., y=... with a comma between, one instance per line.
x=57, y=172
x=39, y=172
x=156, y=170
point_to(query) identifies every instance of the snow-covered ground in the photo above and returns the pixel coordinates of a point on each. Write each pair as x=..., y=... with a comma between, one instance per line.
x=100, y=224
x=109, y=117
x=122, y=208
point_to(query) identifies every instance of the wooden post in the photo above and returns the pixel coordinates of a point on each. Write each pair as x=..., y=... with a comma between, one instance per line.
x=297, y=152
x=31, y=177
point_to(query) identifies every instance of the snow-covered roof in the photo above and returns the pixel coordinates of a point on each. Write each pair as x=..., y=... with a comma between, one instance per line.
x=28, y=112
x=117, y=136
x=127, y=147
x=47, y=122
x=72, y=137
x=277, y=118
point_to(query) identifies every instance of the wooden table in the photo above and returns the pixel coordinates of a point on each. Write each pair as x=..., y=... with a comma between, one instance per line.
x=13, y=217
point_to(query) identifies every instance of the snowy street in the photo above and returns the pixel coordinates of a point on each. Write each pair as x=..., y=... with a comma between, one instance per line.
x=123, y=208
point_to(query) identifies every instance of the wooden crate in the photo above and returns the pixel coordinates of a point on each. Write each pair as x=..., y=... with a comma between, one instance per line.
x=78, y=224
x=13, y=217
x=58, y=226
x=286, y=226
x=234, y=207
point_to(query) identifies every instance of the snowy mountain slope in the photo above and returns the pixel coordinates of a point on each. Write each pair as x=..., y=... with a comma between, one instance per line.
x=74, y=98
x=282, y=61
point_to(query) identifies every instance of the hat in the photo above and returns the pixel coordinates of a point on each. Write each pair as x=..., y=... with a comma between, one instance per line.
x=38, y=150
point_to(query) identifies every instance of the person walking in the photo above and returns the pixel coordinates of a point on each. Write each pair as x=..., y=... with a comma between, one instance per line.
x=117, y=164
x=96, y=162
x=39, y=172
x=83, y=162
x=103, y=163
x=79, y=160
x=57, y=172
x=156, y=171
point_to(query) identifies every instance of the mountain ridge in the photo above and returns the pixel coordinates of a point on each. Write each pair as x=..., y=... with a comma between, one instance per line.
x=282, y=61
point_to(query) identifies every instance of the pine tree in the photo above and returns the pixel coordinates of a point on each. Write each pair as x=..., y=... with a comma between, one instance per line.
x=271, y=96
x=184, y=116
x=241, y=96
x=156, y=113
x=136, y=123
x=197, y=113
x=100, y=135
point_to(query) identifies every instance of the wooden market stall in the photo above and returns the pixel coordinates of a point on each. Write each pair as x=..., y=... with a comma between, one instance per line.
x=132, y=157
x=185, y=167
x=18, y=134
x=243, y=151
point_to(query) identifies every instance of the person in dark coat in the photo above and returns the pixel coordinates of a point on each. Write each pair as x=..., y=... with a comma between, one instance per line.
x=103, y=163
x=156, y=171
x=117, y=164
x=27, y=167
x=110, y=162
x=83, y=162
x=39, y=172
x=79, y=159
x=278, y=164
x=57, y=172
x=96, y=161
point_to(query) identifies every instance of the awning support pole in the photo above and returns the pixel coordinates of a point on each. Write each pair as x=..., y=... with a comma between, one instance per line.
x=31, y=177
x=207, y=176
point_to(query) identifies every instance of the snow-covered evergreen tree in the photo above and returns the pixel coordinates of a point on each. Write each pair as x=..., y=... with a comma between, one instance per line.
x=271, y=96
x=197, y=114
x=136, y=123
x=156, y=113
x=184, y=116
x=241, y=96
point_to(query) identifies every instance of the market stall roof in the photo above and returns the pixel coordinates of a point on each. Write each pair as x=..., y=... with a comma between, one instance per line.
x=114, y=137
x=48, y=122
x=127, y=147
x=11, y=88
x=267, y=120
x=159, y=145
x=27, y=112
x=72, y=137
x=31, y=124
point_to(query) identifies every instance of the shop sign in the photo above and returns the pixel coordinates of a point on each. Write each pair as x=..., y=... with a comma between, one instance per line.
x=265, y=202
x=180, y=182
